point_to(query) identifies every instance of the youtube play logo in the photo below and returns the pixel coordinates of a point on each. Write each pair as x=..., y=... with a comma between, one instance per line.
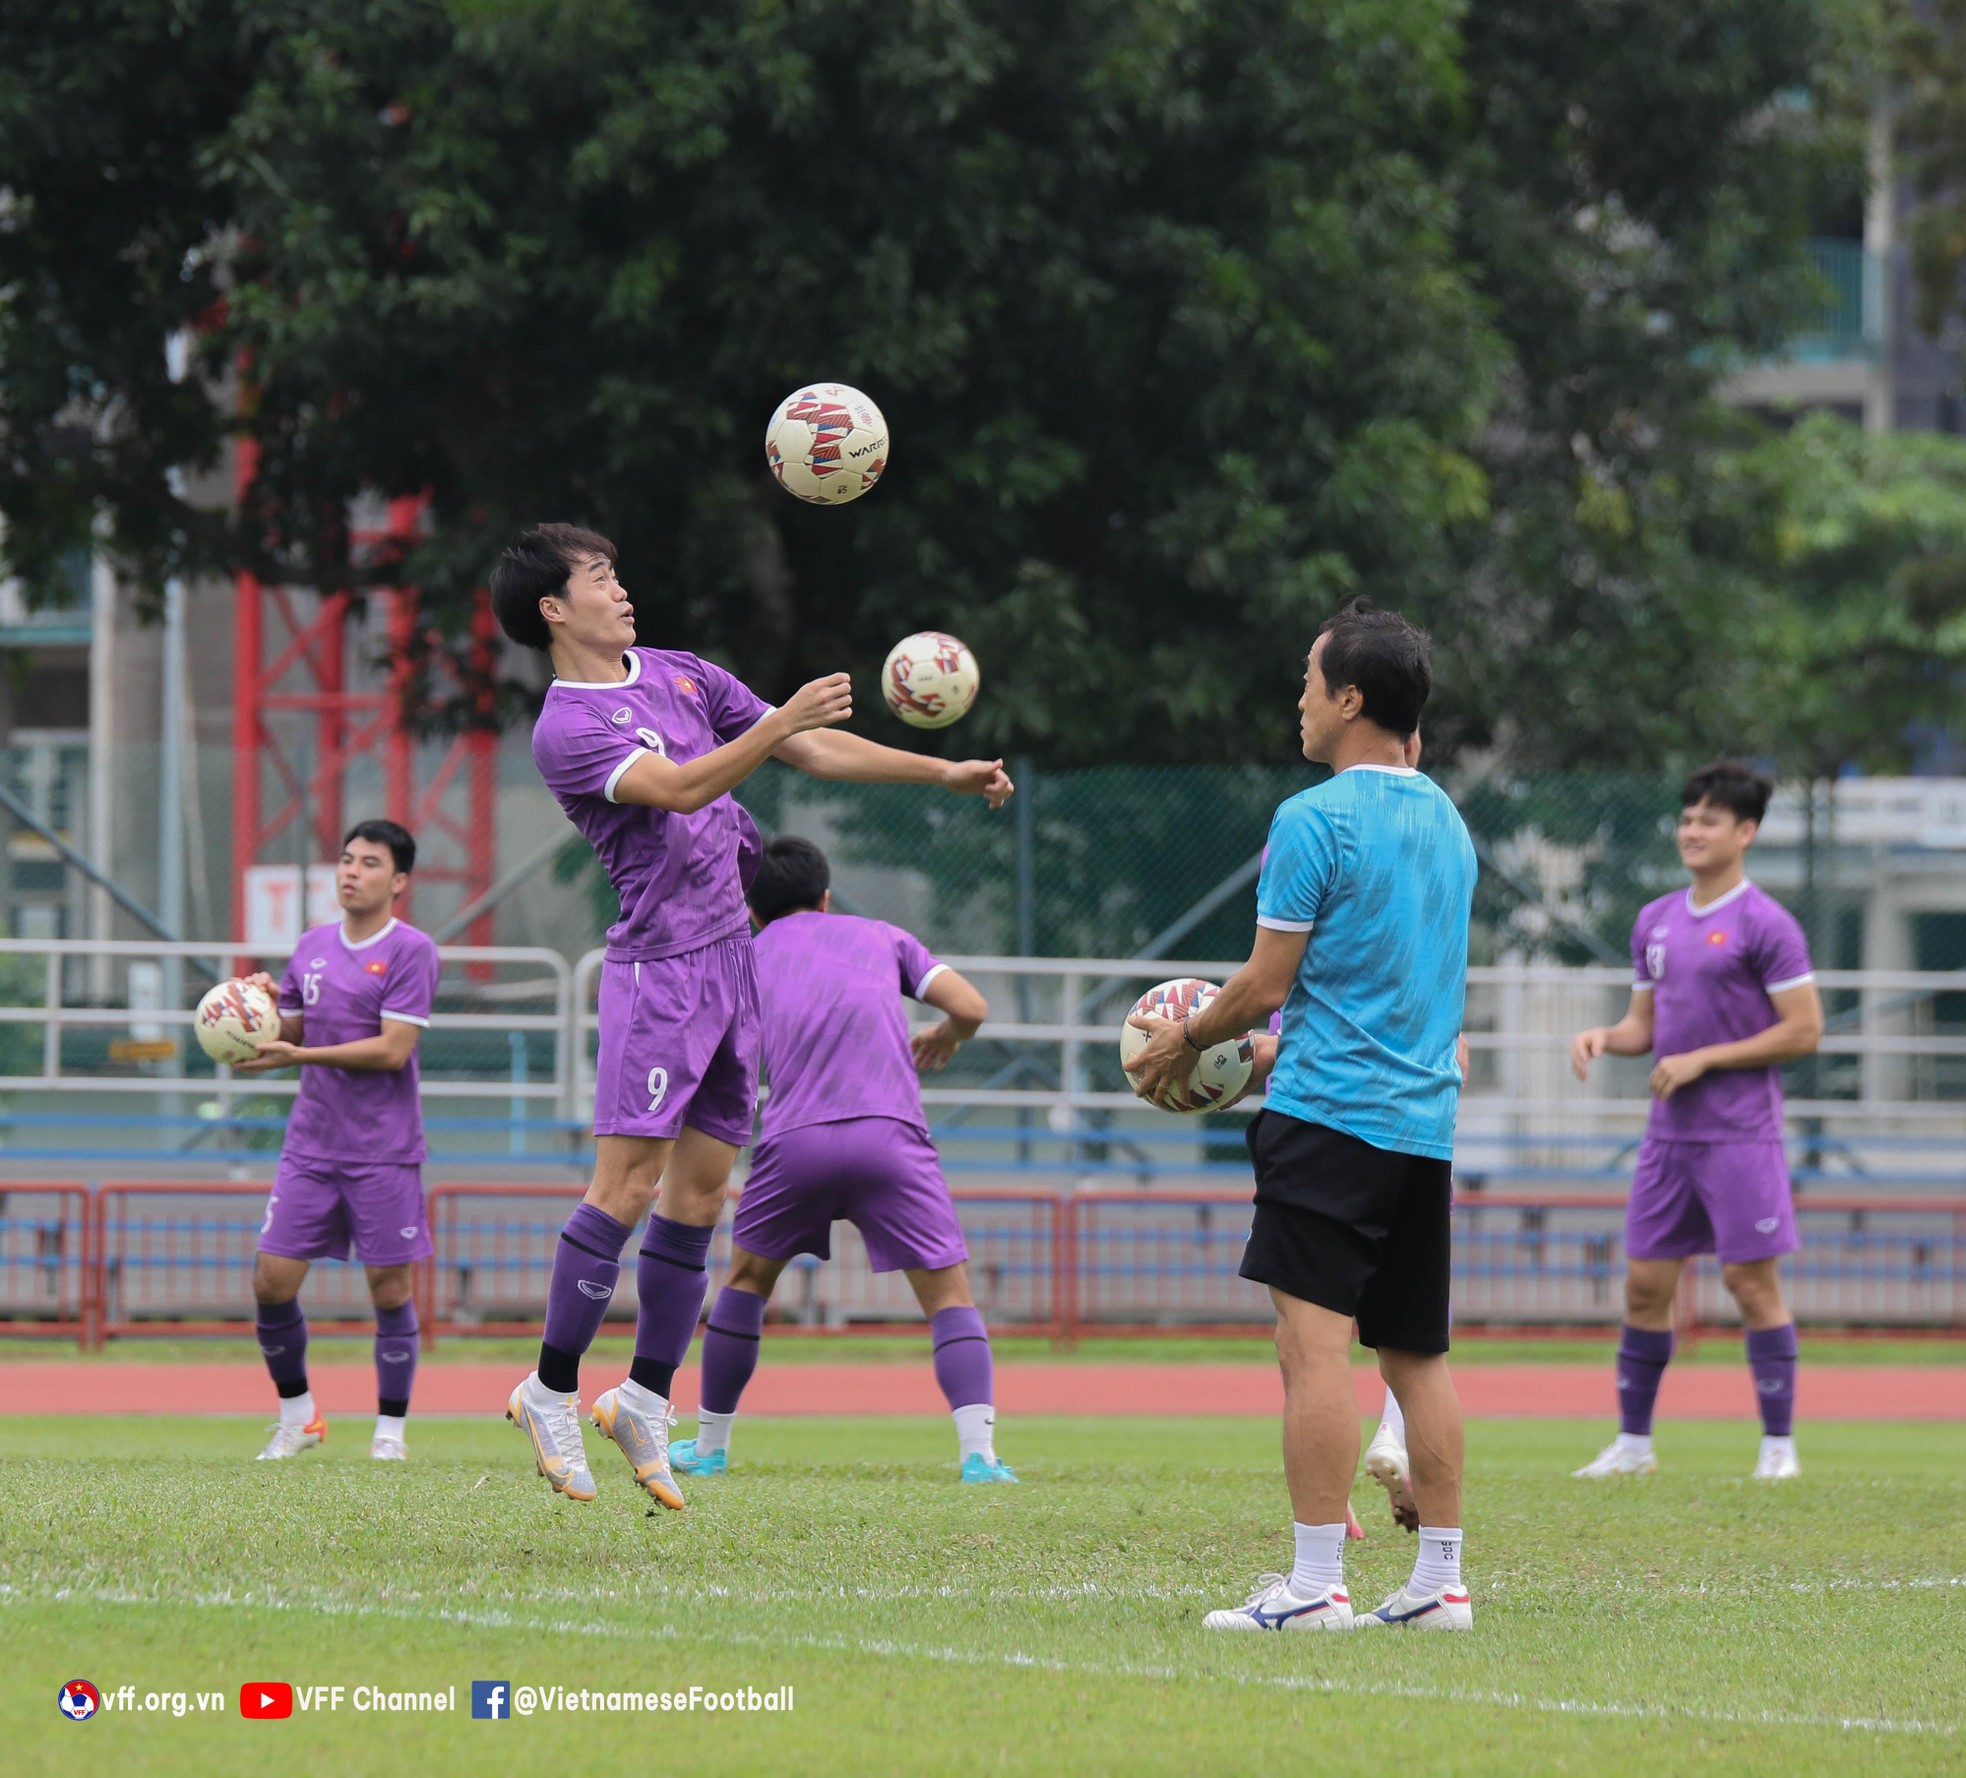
x=266, y=1702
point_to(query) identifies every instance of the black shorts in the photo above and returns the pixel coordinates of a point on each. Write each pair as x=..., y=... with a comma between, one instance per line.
x=1355, y=1229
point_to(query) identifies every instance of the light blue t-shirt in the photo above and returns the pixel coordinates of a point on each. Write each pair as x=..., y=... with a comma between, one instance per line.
x=1376, y=865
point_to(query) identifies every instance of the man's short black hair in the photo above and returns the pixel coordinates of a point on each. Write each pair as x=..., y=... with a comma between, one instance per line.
x=534, y=568
x=1729, y=784
x=792, y=879
x=1390, y=660
x=402, y=846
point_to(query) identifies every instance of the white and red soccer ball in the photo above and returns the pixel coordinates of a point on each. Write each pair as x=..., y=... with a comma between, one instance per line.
x=827, y=444
x=929, y=679
x=1220, y=1072
x=234, y=1019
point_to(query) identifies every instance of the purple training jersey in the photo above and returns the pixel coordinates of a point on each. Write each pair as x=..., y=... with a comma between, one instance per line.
x=1710, y=972
x=678, y=875
x=835, y=1037
x=343, y=992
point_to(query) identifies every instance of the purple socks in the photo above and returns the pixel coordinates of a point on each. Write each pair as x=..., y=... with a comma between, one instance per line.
x=395, y=1359
x=962, y=1357
x=1642, y=1359
x=585, y=1267
x=671, y=1280
x=1771, y=1357
x=730, y=1348
x=283, y=1344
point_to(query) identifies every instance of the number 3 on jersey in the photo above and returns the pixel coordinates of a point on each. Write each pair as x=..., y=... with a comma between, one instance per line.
x=658, y=1087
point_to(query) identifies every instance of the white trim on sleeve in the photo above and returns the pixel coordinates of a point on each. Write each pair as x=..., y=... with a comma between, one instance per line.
x=1643, y=987
x=1794, y=981
x=921, y=987
x=405, y=1018
x=614, y=777
x=1270, y=925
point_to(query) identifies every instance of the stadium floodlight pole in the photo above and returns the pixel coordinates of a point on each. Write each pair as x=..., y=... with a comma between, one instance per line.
x=170, y=750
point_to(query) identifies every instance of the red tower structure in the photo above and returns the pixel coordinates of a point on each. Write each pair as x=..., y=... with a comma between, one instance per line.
x=291, y=663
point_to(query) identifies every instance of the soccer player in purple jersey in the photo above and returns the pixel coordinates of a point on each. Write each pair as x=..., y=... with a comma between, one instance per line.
x=355, y=998
x=844, y=1139
x=642, y=748
x=1724, y=995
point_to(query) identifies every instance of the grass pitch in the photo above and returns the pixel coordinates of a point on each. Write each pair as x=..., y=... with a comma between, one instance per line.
x=1691, y=1623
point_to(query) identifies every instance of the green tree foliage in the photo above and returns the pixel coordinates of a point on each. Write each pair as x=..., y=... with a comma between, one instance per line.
x=1190, y=317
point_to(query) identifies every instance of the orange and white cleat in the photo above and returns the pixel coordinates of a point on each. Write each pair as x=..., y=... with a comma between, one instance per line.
x=552, y=1423
x=290, y=1439
x=644, y=1440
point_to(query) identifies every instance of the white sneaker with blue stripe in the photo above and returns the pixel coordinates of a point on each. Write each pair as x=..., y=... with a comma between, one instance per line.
x=1449, y=1608
x=1273, y=1606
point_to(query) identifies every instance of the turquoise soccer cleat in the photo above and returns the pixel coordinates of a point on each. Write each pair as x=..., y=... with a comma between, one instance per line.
x=979, y=1468
x=684, y=1460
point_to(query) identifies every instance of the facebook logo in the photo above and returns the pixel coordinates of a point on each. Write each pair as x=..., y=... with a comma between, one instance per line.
x=488, y=1699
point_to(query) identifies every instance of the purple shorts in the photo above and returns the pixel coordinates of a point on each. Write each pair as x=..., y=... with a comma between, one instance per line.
x=1730, y=1198
x=878, y=1173
x=317, y=1205
x=679, y=1045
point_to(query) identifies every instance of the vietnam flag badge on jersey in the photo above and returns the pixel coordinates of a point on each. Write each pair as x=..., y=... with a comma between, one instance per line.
x=378, y=967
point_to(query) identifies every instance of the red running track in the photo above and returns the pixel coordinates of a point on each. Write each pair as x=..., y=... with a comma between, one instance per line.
x=1562, y=1391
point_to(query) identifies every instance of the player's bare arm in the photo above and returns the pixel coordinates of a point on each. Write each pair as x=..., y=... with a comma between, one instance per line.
x=963, y=1011
x=1630, y=1036
x=658, y=783
x=1797, y=1030
x=1247, y=998
x=385, y=1053
x=853, y=759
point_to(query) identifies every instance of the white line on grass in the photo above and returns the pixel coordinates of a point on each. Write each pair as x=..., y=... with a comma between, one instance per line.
x=882, y=1648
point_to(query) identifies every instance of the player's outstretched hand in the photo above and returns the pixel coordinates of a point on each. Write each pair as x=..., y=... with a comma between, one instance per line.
x=1585, y=1048
x=821, y=704
x=935, y=1047
x=980, y=777
x=1160, y=1069
x=275, y=1052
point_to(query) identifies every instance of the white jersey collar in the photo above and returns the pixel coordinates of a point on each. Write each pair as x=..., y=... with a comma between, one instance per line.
x=629, y=655
x=1720, y=901
x=362, y=944
x=1390, y=771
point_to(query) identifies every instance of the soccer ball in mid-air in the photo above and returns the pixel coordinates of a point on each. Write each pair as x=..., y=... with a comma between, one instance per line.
x=930, y=679
x=1220, y=1071
x=234, y=1019
x=827, y=444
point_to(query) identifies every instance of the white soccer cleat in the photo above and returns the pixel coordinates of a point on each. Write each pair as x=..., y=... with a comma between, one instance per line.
x=644, y=1440
x=384, y=1449
x=1617, y=1459
x=290, y=1441
x=552, y=1423
x=1777, y=1463
x=1385, y=1463
x=1273, y=1606
x=1448, y=1609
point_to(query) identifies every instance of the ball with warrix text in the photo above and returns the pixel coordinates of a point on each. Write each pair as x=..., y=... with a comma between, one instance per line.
x=827, y=444
x=234, y=1019
x=1220, y=1072
x=930, y=679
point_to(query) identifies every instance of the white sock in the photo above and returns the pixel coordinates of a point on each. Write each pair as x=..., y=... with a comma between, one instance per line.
x=1635, y=1444
x=1777, y=1447
x=297, y=1410
x=1392, y=1420
x=1438, y=1563
x=642, y=1399
x=712, y=1431
x=390, y=1426
x=1320, y=1564
x=976, y=1427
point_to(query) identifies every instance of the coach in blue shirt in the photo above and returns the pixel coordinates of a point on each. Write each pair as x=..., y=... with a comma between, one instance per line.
x=1362, y=939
